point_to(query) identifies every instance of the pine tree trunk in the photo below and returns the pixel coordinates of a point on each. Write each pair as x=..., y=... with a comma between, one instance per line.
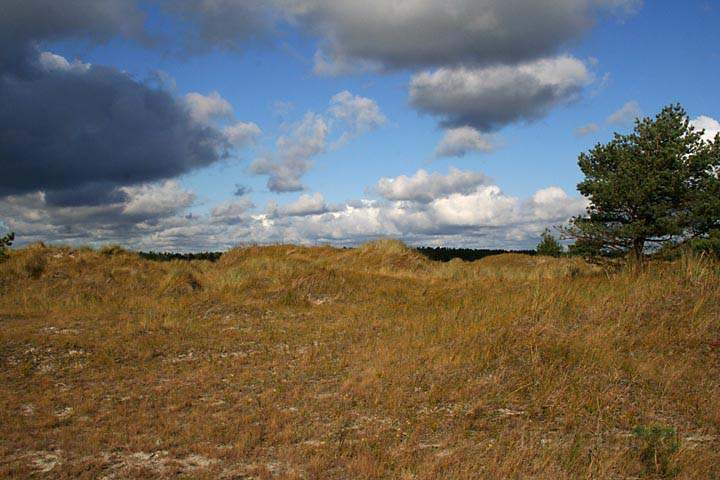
x=638, y=248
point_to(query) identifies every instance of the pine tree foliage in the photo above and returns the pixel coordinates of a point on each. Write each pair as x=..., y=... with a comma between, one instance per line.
x=5, y=242
x=658, y=184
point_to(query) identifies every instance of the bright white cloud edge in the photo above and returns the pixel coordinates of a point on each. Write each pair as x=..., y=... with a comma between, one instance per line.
x=460, y=208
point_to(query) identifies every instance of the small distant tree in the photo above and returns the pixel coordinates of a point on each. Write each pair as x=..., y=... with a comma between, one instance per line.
x=549, y=245
x=656, y=185
x=5, y=242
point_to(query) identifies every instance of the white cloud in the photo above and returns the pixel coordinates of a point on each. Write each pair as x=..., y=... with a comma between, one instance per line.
x=52, y=62
x=232, y=212
x=360, y=114
x=425, y=187
x=308, y=138
x=340, y=65
x=157, y=200
x=460, y=141
x=347, y=116
x=305, y=205
x=281, y=108
x=144, y=209
x=483, y=216
x=709, y=124
x=587, y=129
x=241, y=134
x=485, y=206
x=553, y=203
x=462, y=208
x=284, y=175
x=492, y=97
x=625, y=114
x=295, y=151
x=204, y=108
x=621, y=7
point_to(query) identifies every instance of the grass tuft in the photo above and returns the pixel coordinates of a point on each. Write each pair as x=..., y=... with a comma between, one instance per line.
x=35, y=262
x=656, y=446
x=180, y=281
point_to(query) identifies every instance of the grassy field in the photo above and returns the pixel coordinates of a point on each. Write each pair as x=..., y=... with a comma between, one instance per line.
x=290, y=362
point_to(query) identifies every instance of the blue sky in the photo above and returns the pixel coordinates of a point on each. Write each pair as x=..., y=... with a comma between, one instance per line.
x=363, y=165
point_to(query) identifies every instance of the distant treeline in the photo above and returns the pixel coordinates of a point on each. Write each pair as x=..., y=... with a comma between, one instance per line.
x=168, y=256
x=437, y=254
x=442, y=254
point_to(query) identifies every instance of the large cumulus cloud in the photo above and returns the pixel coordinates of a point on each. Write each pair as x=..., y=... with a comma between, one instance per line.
x=424, y=187
x=491, y=97
x=404, y=33
x=141, y=209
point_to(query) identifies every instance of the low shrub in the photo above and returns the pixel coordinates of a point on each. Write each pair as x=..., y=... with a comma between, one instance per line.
x=708, y=246
x=656, y=445
x=34, y=261
x=549, y=245
x=187, y=257
x=111, y=250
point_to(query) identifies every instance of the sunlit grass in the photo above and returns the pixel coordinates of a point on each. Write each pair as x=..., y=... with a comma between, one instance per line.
x=291, y=362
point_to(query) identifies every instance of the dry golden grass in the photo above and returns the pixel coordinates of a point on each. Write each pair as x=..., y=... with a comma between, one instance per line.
x=290, y=362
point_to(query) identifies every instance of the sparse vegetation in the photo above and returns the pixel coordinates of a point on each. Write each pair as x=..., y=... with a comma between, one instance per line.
x=293, y=362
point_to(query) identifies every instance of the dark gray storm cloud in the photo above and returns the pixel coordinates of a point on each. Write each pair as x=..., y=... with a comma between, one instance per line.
x=75, y=132
x=224, y=24
x=32, y=20
x=89, y=195
x=79, y=132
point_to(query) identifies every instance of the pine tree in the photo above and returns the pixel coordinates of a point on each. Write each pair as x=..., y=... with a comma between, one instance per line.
x=5, y=242
x=658, y=184
x=549, y=245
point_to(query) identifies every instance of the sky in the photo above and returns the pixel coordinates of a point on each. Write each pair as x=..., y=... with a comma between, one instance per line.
x=192, y=125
